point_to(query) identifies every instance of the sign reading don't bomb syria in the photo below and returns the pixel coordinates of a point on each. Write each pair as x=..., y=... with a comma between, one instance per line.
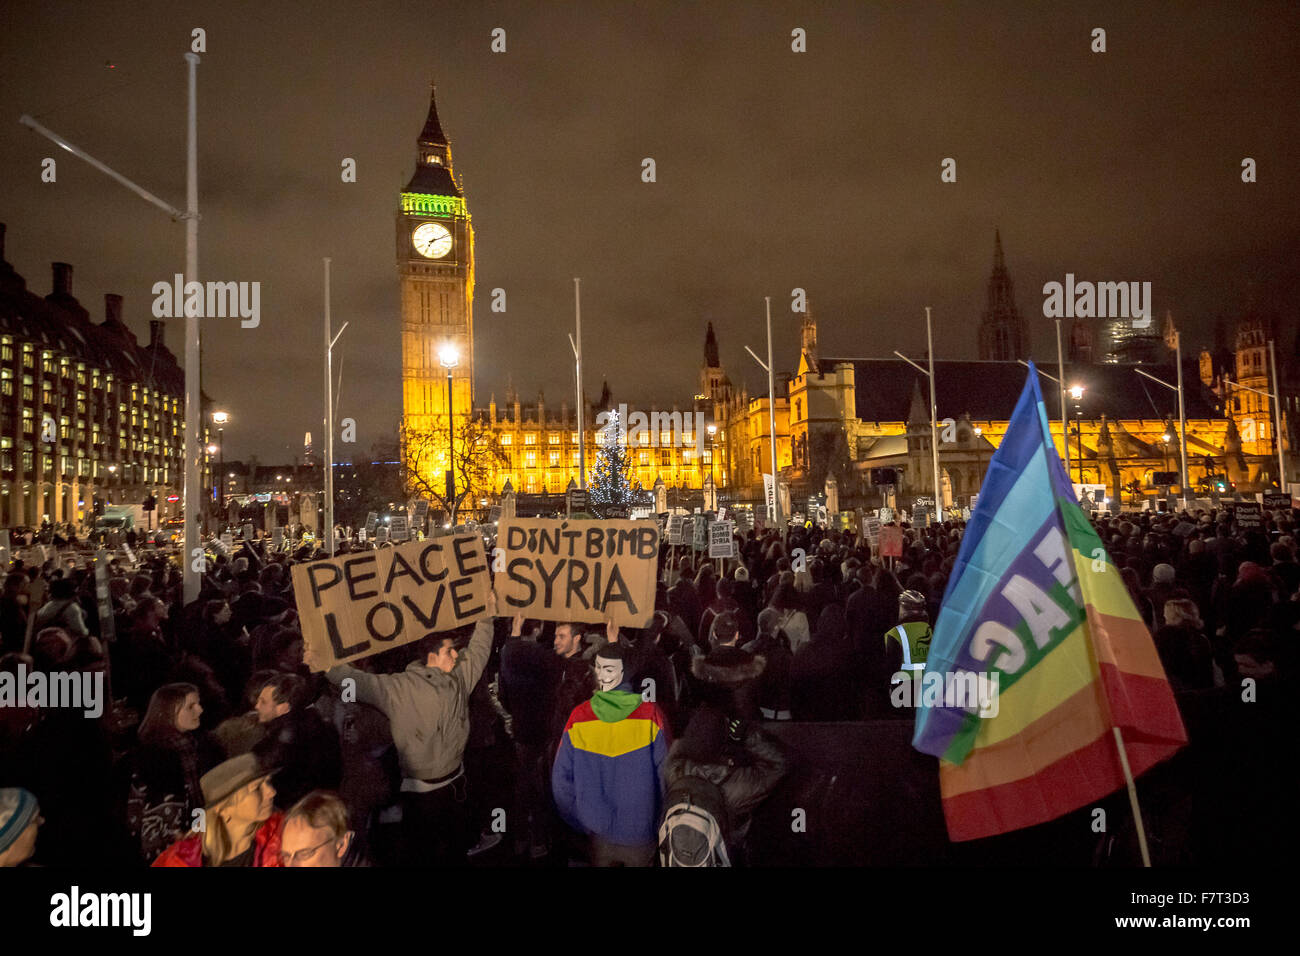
x=360, y=604
x=556, y=570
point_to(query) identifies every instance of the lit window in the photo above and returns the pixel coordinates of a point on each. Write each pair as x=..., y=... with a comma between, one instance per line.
x=555, y=459
x=554, y=439
x=505, y=439
x=530, y=459
x=530, y=439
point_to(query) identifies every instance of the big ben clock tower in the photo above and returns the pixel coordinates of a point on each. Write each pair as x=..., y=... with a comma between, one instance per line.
x=435, y=264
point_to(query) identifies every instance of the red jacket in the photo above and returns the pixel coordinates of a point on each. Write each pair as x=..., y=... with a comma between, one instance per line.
x=188, y=851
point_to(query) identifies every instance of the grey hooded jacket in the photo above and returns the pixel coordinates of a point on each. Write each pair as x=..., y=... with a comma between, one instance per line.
x=427, y=709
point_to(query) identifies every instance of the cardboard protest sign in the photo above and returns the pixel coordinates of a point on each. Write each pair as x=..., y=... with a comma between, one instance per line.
x=277, y=539
x=891, y=541
x=228, y=540
x=700, y=533
x=871, y=529
x=721, y=544
x=248, y=531
x=372, y=518
x=557, y=570
x=420, y=514
x=360, y=604
x=399, y=529
x=494, y=514
x=381, y=534
x=1277, y=499
x=676, y=533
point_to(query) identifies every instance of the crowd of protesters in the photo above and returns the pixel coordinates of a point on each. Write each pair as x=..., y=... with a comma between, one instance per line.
x=541, y=743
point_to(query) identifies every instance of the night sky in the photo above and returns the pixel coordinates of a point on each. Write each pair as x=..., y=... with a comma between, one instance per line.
x=775, y=170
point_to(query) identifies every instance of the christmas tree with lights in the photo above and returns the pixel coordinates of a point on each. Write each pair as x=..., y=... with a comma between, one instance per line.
x=611, y=486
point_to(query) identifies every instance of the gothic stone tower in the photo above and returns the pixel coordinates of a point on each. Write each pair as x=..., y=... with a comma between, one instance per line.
x=435, y=265
x=1004, y=337
x=1252, y=411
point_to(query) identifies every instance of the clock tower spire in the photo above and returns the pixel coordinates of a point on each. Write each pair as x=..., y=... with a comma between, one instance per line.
x=435, y=267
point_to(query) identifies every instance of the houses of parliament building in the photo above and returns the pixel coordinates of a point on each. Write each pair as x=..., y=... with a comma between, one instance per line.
x=848, y=421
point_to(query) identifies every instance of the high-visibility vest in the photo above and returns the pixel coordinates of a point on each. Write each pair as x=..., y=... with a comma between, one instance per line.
x=914, y=636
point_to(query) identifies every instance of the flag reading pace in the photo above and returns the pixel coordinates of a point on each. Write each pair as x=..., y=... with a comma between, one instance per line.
x=1035, y=601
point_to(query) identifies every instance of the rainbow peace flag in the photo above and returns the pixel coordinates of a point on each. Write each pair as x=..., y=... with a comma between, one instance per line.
x=1036, y=603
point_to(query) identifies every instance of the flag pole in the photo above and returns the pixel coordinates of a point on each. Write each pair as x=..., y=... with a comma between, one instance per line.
x=1065, y=435
x=1133, y=798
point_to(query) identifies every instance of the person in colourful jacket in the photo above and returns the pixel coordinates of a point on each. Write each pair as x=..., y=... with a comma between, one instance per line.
x=608, y=777
x=240, y=824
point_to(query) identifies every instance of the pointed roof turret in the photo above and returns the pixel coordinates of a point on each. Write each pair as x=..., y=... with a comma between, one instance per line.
x=711, y=349
x=1003, y=334
x=432, y=133
x=917, y=415
x=808, y=338
x=433, y=170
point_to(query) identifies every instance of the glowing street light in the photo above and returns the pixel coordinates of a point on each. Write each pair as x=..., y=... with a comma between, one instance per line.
x=1076, y=393
x=220, y=419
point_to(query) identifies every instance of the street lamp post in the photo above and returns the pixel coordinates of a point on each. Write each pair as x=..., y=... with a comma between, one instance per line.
x=1076, y=393
x=220, y=418
x=213, y=449
x=934, y=412
x=577, y=376
x=449, y=357
x=713, y=454
x=193, y=392
x=1182, y=412
x=979, y=458
x=771, y=411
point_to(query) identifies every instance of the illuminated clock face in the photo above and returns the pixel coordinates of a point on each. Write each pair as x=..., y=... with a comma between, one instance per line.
x=431, y=240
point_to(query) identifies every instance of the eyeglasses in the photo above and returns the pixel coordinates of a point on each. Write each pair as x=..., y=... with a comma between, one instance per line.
x=302, y=856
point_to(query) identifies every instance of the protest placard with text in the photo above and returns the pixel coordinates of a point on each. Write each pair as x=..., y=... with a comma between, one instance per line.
x=360, y=604
x=557, y=570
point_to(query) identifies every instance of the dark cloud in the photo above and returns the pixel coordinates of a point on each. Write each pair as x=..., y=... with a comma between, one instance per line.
x=775, y=170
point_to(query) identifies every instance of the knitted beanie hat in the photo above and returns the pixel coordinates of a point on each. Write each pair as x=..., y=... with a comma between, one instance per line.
x=18, y=808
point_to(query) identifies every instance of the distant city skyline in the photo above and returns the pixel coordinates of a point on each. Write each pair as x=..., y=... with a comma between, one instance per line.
x=775, y=170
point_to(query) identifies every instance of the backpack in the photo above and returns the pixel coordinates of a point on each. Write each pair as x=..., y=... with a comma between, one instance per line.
x=693, y=831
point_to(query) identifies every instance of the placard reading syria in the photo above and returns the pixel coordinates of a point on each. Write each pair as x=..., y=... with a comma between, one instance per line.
x=556, y=570
x=360, y=604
